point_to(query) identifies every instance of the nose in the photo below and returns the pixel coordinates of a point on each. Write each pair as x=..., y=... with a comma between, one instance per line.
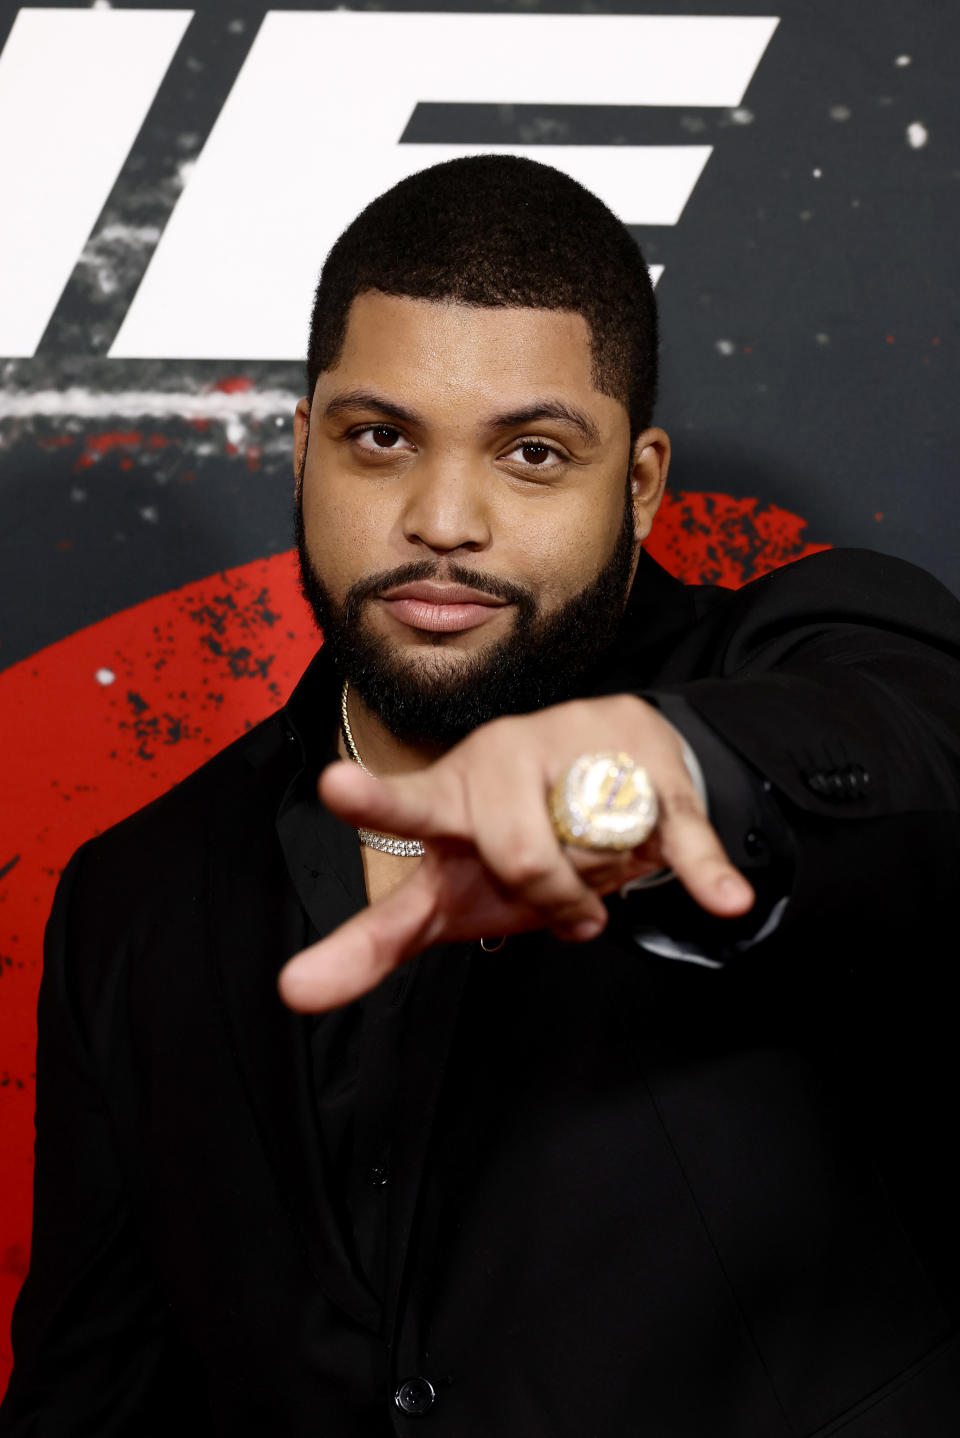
x=447, y=508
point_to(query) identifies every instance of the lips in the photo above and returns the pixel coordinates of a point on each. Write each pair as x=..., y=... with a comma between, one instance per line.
x=440, y=608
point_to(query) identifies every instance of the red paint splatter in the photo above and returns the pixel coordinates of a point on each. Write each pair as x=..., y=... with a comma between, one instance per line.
x=234, y=384
x=717, y=539
x=191, y=670
x=114, y=439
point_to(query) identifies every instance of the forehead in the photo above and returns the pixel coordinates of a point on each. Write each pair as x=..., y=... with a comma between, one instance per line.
x=450, y=351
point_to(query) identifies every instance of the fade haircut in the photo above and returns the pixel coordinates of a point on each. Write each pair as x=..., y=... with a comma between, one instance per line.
x=494, y=230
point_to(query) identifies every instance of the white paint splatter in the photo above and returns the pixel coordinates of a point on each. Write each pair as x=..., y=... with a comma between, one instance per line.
x=237, y=27
x=77, y=494
x=742, y=116
x=817, y=174
x=149, y=513
x=101, y=5
x=184, y=170
x=917, y=135
x=725, y=347
x=136, y=236
x=822, y=338
x=840, y=112
x=81, y=404
x=806, y=215
x=104, y=676
x=903, y=60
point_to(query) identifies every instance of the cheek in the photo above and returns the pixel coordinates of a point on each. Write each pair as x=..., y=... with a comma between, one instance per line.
x=563, y=546
x=342, y=527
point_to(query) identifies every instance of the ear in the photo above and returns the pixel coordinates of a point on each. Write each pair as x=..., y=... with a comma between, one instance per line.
x=648, y=475
x=301, y=436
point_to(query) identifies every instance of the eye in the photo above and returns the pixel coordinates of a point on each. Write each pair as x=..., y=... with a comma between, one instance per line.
x=377, y=436
x=536, y=454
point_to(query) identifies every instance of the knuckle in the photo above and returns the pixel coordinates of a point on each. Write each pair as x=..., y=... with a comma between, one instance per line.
x=496, y=733
x=528, y=867
x=680, y=804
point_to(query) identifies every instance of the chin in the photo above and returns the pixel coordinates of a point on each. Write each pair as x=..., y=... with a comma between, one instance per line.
x=435, y=654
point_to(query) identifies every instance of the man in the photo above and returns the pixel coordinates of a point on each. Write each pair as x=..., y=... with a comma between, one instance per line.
x=550, y=1136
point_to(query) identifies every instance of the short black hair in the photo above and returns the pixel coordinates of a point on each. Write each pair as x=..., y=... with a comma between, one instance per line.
x=495, y=230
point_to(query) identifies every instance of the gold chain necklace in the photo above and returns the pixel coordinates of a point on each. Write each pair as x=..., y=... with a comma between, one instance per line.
x=383, y=843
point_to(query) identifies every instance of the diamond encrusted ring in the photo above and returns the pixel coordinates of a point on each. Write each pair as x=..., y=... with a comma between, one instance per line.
x=603, y=801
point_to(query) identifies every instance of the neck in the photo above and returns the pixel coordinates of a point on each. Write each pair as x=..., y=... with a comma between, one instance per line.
x=382, y=752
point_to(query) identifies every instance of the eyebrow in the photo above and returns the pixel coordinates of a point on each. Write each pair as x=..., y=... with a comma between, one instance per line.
x=349, y=399
x=353, y=399
x=548, y=409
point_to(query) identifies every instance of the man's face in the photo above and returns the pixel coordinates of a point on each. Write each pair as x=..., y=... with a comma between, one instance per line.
x=469, y=509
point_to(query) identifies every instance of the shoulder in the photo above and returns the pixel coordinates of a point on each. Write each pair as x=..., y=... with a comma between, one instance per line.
x=836, y=588
x=159, y=854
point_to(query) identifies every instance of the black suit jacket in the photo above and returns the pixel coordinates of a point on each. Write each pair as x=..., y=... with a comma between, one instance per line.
x=628, y=1195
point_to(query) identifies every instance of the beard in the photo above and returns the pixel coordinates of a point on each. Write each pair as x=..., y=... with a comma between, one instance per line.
x=422, y=700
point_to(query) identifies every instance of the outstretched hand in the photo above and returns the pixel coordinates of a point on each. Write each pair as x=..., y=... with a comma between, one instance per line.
x=493, y=863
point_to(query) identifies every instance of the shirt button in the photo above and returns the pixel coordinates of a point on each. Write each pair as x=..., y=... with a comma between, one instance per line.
x=755, y=844
x=415, y=1396
x=378, y=1175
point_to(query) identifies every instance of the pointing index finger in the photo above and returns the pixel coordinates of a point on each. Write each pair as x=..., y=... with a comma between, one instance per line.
x=427, y=805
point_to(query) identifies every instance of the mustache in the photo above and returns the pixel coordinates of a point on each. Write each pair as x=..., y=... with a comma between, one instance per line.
x=435, y=569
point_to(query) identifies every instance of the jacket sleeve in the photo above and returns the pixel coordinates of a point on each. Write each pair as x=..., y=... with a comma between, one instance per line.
x=94, y=1350
x=836, y=684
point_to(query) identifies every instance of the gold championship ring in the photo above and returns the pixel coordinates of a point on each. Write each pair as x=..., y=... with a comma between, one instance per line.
x=603, y=801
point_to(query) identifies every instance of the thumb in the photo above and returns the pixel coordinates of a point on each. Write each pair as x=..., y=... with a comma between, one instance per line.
x=356, y=956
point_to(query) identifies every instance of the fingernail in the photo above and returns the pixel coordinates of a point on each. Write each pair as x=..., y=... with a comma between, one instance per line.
x=731, y=886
